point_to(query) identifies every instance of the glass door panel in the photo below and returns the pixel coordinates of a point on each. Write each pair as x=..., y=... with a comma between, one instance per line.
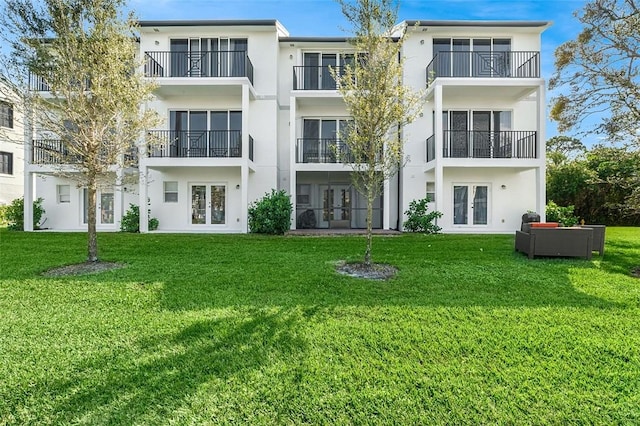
x=197, y=134
x=502, y=137
x=179, y=57
x=310, y=140
x=481, y=134
x=328, y=132
x=328, y=61
x=219, y=139
x=238, y=47
x=311, y=71
x=235, y=133
x=198, y=204
x=502, y=57
x=106, y=207
x=481, y=58
x=459, y=134
x=195, y=58
x=218, y=202
x=461, y=66
x=442, y=55
x=480, y=204
x=460, y=205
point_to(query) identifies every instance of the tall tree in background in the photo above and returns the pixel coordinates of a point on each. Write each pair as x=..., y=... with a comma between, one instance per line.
x=82, y=56
x=376, y=99
x=599, y=72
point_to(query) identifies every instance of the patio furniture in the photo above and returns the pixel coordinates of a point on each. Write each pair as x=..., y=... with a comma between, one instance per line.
x=562, y=242
x=598, y=237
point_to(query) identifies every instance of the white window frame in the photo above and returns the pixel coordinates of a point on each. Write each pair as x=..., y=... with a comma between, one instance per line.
x=63, y=197
x=166, y=191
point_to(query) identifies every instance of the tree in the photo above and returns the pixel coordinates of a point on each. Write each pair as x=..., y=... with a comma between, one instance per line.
x=379, y=104
x=561, y=149
x=82, y=54
x=600, y=72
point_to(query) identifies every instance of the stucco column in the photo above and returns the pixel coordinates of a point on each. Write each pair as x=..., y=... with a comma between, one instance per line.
x=541, y=177
x=144, y=197
x=439, y=144
x=245, y=121
x=118, y=197
x=244, y=194
x=292, y=159
x=386, y=212
x=29, y=190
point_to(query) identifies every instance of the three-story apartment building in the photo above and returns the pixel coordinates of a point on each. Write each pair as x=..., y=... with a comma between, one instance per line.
x=247, y=108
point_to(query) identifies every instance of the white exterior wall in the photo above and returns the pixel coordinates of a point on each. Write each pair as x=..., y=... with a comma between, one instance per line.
x=273, y=114
x=12, y=141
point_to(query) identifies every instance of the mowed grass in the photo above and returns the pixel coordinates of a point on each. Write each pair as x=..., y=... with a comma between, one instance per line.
x=204, y=329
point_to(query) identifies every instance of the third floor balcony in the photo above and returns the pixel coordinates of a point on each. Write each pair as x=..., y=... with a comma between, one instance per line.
x=198, y=64
x=481, y=64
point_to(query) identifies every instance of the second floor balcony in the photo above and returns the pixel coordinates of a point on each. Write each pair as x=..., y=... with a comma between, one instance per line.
x=485, y=144
x=327, y=151
x=479, y=64
x=315, y=77
x=198, y=64
x=197, y=144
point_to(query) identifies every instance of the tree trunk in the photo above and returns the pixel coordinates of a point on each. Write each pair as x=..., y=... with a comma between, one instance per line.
x=367, y=253
x=91, y=222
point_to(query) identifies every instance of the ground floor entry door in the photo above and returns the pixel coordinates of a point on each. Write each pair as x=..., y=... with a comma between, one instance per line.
x=470, y=204
x=336, y=206
x=208, y=204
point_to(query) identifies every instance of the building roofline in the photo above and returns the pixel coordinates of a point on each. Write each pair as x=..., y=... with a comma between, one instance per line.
x=316, y=39
x=211, y=23
x=509, y=24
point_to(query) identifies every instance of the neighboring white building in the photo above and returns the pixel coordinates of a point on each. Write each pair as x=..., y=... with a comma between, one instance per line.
x=248, y=108
x=11, y=149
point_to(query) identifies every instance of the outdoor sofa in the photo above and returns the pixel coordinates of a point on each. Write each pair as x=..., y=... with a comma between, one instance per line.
x=554, y=241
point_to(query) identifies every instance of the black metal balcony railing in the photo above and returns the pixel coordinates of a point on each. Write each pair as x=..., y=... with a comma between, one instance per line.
x=197, y=144
x=485, y=144
x=51, y=151
x=39, y=84
x=314, y=77
x=314, y=150
x=484, y=64
x=214, y=63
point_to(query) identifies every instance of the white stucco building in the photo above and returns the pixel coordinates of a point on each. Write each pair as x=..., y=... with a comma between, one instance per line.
x=248, y=108
x=11, y=149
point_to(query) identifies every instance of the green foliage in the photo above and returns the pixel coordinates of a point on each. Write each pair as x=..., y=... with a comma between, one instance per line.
x=603, y=185
x=419, y=219
x=3, y=215
x=131, y=220
x=13, y=214
x=251, y=329
x=271, y=214
x=563, y=215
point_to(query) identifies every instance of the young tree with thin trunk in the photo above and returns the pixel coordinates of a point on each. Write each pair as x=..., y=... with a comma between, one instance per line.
x=376, y=99
x=89, y=90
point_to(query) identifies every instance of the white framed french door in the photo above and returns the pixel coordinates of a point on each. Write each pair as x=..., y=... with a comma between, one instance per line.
x=336, y=206
x=471, y=204
x=208, y=204
x=105, y=206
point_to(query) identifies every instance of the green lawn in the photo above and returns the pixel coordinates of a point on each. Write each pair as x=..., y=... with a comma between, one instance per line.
x=246, y=329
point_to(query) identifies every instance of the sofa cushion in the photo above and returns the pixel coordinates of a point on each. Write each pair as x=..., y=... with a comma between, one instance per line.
x=544, y=225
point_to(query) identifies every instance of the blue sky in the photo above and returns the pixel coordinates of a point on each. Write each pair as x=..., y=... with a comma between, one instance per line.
x=323, y=17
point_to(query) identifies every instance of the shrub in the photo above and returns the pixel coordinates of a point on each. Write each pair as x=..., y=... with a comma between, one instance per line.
x=271, y=214
x=131, y=220
x=563, y=215
x=13, y=214
x=419, y=219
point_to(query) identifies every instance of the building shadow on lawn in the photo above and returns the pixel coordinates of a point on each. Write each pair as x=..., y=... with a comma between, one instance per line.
x=621, y=257
x=521, y=283
x=148, y=383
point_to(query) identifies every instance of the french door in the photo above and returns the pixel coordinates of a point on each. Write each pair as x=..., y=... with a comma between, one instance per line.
x=208, y=57
x=336, y=206
x=478, y=57
x=105, y=206
x=208, y=204
x=321, y=140
x=470, y=204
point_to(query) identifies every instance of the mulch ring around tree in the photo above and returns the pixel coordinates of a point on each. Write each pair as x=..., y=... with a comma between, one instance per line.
x=375, y=271
x=83, y=269
x=635, y=272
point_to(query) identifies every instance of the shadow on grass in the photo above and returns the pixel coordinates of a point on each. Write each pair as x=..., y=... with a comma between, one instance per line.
x=156, y=376
x=621, y=257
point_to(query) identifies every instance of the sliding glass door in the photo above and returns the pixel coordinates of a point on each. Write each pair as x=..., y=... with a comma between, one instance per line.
x=470, y=204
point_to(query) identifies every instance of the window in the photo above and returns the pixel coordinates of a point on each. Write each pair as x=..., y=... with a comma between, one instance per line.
x=431, y=191
x=303, y=194
x=171, y=192
x=63, y=193
x=6, y=163
x=218, y=204
x=6, y=115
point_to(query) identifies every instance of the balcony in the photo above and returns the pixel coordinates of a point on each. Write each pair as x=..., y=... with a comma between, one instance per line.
x=51, y=151
x=315, y=77
x=485, y=144
x=198, y=144
x=484, y=65
x=214, y=63
x=322, y=151
x=39, y=84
